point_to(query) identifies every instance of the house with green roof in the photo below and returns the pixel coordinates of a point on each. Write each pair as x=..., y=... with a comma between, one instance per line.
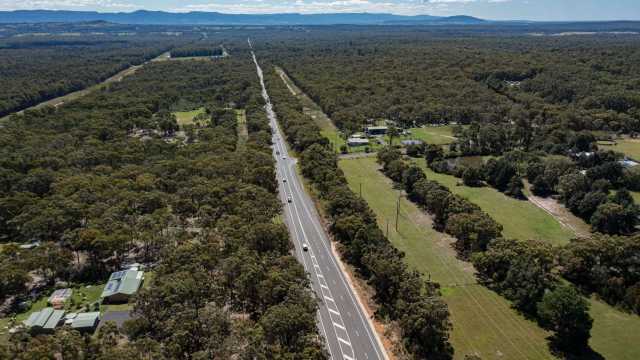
x=121, y=285
x=86, y=322
x=44, y=321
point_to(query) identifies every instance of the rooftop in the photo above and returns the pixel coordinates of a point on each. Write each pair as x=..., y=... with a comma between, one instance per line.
x=85, y=320
x=123, y=282
x=47, y=318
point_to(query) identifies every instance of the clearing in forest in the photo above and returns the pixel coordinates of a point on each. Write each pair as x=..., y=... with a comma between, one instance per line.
x=483, y=322
x=521, y=219
x=188, y=117
x=437, y=135
x=243, y=132
x=629, y=147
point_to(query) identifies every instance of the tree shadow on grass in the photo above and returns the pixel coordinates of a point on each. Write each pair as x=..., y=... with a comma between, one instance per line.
x=586, y=353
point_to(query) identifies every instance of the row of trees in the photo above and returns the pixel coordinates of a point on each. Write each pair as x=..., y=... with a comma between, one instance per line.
x=472, y=227
x=522, y=271
x=196, y=49
x=226, y=285
x=402, y=295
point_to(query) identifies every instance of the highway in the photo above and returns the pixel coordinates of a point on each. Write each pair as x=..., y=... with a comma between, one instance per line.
x=349, y=334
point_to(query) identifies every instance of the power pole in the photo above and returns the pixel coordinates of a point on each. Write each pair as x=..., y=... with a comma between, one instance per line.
x=397, y=212
x=387, y=229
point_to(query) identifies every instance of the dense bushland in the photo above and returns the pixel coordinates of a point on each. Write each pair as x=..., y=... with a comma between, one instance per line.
x=33, y=74
x=81, y=178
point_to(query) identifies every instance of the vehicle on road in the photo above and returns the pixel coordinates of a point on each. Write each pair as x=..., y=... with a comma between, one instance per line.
x=284, y=180
x=277, y=152
x=289, y=200
x=305, y=247
x=284, y=157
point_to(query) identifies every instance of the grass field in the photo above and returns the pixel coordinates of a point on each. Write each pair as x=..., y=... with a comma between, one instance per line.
x=483, y=321
x=520, y=218
x=187, y=117
x=243, y=132
x=629, y=147
x=438, y=135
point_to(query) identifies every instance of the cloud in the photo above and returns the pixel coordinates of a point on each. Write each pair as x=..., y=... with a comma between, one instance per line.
x=66, y=4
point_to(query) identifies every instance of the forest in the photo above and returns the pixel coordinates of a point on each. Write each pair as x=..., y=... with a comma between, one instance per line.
x=80, y=179
x=34, y=70
x=417, y=77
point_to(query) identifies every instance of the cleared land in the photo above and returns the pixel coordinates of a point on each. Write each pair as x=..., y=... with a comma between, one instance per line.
x=438, y=135
x=243, y=132
x=188, y=117
x=629, y=147
x=483, y=322
x=520, y=218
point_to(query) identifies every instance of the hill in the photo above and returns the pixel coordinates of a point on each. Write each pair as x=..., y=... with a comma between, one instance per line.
x=215, y=18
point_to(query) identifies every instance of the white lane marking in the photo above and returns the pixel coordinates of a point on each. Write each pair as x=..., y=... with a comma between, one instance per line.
x=317, y=269
x=339, y=326
x=270, y=112
x=348, y=357
x=324, y=286
x=367, y=326
x=344, y=341
x=332, y=311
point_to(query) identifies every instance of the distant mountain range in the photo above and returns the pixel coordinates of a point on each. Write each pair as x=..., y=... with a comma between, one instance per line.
x=215, y=18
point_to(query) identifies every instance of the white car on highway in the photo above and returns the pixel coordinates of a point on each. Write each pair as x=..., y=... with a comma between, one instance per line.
x=305, y=247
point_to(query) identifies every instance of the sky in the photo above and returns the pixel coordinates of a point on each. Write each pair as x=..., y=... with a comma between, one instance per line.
x=551, y=10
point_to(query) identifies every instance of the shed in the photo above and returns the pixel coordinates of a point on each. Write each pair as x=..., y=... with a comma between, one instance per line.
x=45, y=320
x=376, y=130
x=59, y=297
x=86, y=321
x=121, y=285
x=357, y=141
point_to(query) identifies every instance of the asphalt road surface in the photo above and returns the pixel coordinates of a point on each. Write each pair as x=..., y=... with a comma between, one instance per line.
x=343, y=323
